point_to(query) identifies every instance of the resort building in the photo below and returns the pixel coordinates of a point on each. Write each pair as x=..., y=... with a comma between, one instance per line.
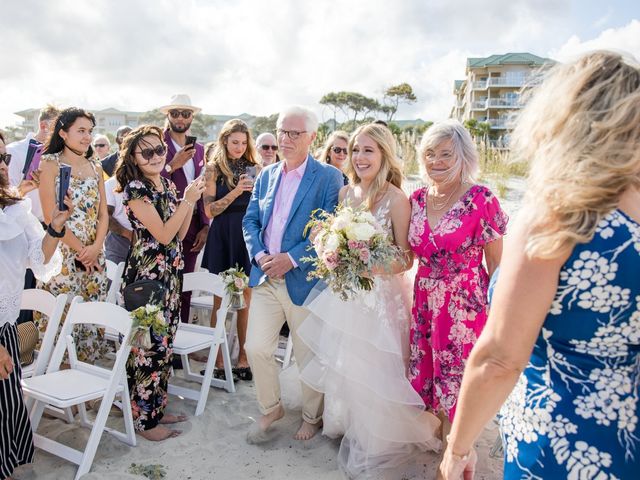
x=491, y=91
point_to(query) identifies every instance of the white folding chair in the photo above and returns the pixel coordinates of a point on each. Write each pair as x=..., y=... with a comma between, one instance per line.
x=83, y=382
x=285, y=352
x=114, y=273
x=52, y=307
x=192, y=338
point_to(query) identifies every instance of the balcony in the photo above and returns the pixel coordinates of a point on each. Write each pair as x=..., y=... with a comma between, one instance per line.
x=479, y=105
x=508, y=81
x=498, y=123
x=480, y=85
x=504, y=103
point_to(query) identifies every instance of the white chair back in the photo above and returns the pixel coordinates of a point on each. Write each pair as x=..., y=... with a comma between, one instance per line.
x=114, y=273
x=52, y=307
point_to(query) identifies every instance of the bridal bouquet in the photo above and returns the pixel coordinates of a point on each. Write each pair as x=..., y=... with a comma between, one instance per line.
x=144, y=318
x=350, y=244
x=235, y=282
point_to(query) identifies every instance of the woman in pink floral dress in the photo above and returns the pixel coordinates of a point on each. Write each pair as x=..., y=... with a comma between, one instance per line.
x=454, y=222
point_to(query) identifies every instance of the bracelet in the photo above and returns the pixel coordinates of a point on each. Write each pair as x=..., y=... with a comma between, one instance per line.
x=54, y=234
x=188, y=202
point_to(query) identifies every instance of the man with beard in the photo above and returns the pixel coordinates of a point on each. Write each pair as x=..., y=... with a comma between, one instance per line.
x=184, y=164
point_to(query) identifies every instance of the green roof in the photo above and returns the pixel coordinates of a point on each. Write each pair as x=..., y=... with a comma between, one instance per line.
x=508, y=59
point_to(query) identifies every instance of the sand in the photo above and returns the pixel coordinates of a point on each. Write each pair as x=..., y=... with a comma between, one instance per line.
x=213, y=446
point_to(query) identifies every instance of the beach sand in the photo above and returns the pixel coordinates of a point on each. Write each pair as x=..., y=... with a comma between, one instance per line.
x=213, y=446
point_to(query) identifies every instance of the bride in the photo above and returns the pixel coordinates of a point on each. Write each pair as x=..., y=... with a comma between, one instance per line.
x=361, y=345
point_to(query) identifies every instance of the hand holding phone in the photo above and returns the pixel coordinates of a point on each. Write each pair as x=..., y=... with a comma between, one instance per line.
x=190, y=141
x=63, y=186
x=251, y=172
x=32, y=160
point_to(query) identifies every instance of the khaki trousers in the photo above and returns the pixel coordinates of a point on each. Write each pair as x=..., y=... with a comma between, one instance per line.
x=271, y=306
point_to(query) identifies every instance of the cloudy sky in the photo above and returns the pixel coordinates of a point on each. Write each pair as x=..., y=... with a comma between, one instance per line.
x=255, y=56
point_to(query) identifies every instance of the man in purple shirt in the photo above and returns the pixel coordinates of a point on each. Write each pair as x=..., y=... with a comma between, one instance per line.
x=283, y=198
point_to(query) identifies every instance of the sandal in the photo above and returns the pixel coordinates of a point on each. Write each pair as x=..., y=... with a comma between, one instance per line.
x=218, y=373
x=243, y=373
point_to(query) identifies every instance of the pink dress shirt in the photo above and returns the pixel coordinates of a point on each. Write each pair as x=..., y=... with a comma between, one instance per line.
x=289, y=183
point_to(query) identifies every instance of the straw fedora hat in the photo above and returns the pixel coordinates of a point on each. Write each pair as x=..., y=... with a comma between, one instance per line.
x=179, y=102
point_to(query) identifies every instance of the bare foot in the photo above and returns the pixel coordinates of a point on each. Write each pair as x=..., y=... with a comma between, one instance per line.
x=258, y=430
x=170, y=418
x=307, y=430
x=159, y=433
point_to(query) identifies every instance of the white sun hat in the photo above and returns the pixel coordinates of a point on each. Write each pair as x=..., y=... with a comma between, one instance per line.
x=179, y=102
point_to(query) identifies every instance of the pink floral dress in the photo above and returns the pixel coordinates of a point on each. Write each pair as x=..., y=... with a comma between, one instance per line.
x=450, y=291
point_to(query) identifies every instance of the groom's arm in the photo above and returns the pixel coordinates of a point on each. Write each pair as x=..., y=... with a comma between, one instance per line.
x=333, y=185
x=252, y=223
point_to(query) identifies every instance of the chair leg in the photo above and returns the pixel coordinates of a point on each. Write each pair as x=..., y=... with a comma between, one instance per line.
x=95, y=436
x=206, y=379
x=36, y=414
x=128, y=415
x=286, y=360
x=226, y=357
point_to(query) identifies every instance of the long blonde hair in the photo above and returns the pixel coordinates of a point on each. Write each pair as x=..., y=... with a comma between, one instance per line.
x=581, y=133
x=217, y=152
x=390, y=170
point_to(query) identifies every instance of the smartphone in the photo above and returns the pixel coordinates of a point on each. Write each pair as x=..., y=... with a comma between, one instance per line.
x=190, y=141
x=32, y=160
x=63, y=185
x=251, y=172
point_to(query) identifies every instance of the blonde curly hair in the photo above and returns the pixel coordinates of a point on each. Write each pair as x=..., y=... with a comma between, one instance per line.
x=581, y=134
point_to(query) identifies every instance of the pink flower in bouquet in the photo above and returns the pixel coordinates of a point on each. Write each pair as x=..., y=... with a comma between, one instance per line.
x=239, y=283
x=364, y=254
x=331, y=260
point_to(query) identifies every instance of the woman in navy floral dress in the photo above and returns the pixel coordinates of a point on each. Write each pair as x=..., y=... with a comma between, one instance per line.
x=564, y=326
x=159, y=221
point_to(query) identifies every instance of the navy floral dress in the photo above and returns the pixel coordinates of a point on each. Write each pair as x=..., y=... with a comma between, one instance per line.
x=148, y=370
x=574, y=412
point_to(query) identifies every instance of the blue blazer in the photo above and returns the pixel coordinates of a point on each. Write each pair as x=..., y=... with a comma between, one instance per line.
x=319, y=188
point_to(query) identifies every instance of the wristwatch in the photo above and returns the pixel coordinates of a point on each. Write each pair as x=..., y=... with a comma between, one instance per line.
x=167, y=168
x=54, y=234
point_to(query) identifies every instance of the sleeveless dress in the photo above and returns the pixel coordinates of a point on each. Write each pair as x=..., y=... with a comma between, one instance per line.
x=360, y=364
x=92, y=287
x=574, y=411
x=148, y=370
x=450, y=291
x=225, y=243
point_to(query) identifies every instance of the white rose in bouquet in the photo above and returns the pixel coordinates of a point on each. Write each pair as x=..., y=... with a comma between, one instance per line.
x=360, y=231
x=333, y=242
x=342, y=220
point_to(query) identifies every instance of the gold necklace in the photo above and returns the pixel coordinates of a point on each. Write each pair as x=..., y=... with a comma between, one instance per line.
x=438, y=207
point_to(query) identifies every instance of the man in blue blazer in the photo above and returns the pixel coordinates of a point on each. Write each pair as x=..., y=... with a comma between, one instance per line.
x=283, y=198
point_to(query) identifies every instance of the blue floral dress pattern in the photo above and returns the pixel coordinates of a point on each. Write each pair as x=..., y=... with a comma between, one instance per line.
x=148, y=370
x=574, y=411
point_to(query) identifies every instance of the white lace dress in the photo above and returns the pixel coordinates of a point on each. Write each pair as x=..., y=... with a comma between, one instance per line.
x=361, y=347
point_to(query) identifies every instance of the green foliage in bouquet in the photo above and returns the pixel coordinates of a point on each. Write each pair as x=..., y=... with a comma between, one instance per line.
x=144, y=319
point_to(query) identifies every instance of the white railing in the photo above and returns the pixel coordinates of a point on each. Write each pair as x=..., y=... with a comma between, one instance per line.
x=507, y=81
x=504, y=102
x=498, y=124
x=481, y=85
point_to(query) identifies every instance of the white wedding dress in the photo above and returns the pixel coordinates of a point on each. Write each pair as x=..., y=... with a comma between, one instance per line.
x=360, y=348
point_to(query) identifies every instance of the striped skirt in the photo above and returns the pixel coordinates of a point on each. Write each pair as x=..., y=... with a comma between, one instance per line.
x=16, y=439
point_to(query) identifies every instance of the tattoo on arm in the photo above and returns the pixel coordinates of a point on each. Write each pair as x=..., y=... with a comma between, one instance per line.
x=217, y=207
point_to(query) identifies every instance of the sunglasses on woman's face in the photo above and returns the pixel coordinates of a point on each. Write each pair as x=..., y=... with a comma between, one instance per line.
x=100, y=145
x=337, y=150
x=148, y=153
x=267, y=147
x=180, y=113
x=6, y=158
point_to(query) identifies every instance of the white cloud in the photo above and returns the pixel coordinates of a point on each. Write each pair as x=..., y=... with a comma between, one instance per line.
x=256, y=56
x=624, y=39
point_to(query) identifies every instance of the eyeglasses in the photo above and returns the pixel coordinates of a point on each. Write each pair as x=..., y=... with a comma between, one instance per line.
x=267, y=147
x=180, y=113
x=292, y=134
x=100, y=145
x=6, y=158
x=337, y=150
x=148, y=153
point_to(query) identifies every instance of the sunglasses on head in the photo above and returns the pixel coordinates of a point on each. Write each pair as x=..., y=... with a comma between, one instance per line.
x=267, y=147
x=337, y=150
x=100, y=145
x=180, y=113
x=148, y=153
x=6, y=158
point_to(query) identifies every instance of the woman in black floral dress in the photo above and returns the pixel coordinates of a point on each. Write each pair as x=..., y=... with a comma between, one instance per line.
x=159, y=221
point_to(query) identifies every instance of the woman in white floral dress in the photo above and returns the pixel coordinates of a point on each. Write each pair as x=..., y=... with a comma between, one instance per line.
x=569, y=289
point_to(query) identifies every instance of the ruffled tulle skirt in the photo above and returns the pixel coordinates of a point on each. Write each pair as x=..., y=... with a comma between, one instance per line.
x=360, y=351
